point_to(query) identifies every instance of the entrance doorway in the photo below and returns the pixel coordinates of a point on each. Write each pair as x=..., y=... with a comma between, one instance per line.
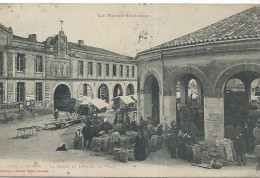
x=61, y=96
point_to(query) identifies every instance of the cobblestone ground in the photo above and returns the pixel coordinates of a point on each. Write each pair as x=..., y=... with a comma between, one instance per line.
x=37, y=153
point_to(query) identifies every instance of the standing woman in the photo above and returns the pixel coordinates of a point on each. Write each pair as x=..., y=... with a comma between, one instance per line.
x=78, y=138
x=140, y=146
x=56, y=114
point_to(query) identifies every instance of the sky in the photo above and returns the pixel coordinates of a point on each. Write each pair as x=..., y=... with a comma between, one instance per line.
x=124, y=35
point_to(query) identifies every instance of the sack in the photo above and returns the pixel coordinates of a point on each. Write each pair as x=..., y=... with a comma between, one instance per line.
x=131, y=155
x=160, y=142
x=153, y=143
x=93, y=143
x=132, y=135
x=110, y=145
x=124, y=154
x=105, y=144
x=125, y=142
x=116, y=153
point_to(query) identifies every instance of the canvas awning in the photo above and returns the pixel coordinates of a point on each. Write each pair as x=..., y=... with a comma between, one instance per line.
x=126, y=99
x=98, y=103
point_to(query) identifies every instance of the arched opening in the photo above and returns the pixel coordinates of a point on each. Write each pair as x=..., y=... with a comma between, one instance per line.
x=103, y=93
x=189, y=104
x=130, y=90
x=152, y=99
x=118, y=91
x=85, y=92
x=61, y=96
x=240, y=91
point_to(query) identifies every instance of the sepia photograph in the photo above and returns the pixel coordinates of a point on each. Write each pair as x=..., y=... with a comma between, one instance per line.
x=129, y=90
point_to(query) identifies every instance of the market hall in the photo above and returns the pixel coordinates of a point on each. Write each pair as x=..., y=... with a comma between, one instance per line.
x=210, y=57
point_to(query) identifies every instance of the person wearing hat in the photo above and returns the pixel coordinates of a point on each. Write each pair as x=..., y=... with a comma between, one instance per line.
x=107, y=125
x=133, y=125
x=78, y=138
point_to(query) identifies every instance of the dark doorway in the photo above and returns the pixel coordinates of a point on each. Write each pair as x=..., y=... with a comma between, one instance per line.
x=118, y=90
x=155, y=102
x=103, y=93
x=130, y=90
x=61, y=97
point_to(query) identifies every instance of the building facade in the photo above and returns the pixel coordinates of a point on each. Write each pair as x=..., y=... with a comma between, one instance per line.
x=50, y=71
x=212, y=56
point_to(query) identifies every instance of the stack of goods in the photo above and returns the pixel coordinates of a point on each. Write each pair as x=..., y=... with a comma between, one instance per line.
x=125, y=142
x=160, y=142
x=196, y=150
x=131, y=155
x=151, y=129
x=207, y=155
x=188, y=152
x=132, y=135
x=105, y=143
x=121, y=154
x=225, y=149
x=96, y=144
x=153, y=143
x=110, y=145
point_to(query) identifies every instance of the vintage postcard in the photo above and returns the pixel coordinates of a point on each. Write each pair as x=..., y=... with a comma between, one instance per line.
x=130, y=90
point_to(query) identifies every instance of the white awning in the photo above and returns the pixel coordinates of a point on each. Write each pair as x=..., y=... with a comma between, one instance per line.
x=98, y=103
x=126, y=99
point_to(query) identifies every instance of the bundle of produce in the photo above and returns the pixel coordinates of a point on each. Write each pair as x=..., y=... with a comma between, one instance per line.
x=110, y=131
x=151, y=129
x=105, y=145
x=131, y=155
x=93, y=143
x=96, y=144
x=188, y=152
x=110, y=145
x=116, y=153
x=124, y=154
x=153, y=143
x=125, y=142
x=160, y=141
x=132, y=135
x=119, y=128
x=207, y=155
x=196, y=149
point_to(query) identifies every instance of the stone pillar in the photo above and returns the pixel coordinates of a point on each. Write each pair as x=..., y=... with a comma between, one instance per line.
x=213, y=118
x=184, y=93
x=248, y=91
x=169, y=109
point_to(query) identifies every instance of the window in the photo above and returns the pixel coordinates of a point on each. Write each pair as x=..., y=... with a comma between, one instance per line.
x=80, y=68
x=38, y=64
x=121, y=70
x=90, y=68
x=114, y=70
x=38, y=92
x=20, y=92
x=85, y=89
x=133, y=71
x=107, y=69
x=1, y=63
x=127, y=71
x=20, y=62
x=61, y=69
x=99, y=69
x=1, y=92
x=56, y=69
x=68, y=69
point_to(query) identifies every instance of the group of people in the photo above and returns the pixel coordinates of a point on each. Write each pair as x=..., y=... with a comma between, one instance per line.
x=246, y=139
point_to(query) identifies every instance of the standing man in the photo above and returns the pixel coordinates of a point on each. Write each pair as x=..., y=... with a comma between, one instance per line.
x=239, y=145
x=173, y=143
x=56, y=114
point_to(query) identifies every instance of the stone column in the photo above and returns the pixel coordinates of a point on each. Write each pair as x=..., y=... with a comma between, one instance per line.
x=213, y=118
x=184, y=93
x=248, y=90
x=169, y=109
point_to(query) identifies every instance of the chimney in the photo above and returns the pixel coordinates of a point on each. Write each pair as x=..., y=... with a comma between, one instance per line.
x=80, y=42
x=32, y=37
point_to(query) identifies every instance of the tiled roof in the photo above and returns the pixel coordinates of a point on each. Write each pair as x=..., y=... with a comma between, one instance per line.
x=83, y=48
x=96, y=50
x=243, y=25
